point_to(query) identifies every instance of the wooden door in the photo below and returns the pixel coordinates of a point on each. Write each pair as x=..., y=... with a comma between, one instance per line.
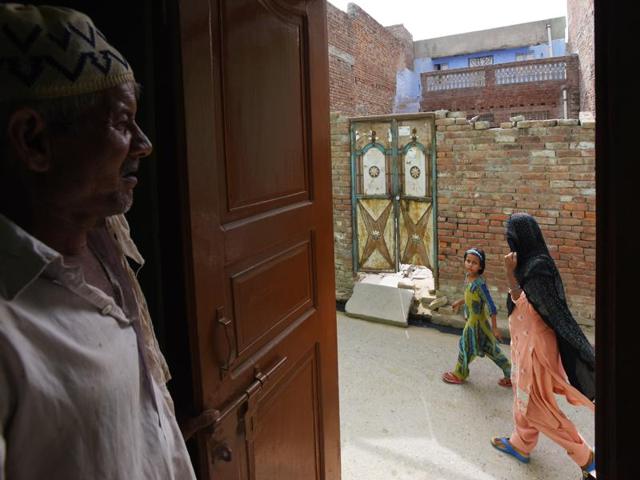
x=262, y=320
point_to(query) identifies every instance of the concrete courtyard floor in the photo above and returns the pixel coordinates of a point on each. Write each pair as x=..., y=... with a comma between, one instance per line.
x=399, y=421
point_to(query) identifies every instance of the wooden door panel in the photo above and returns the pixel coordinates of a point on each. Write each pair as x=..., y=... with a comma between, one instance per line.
x=263, y=303
x=260, y=267
x=285, y=425
x=265, y=231
x=264, y=104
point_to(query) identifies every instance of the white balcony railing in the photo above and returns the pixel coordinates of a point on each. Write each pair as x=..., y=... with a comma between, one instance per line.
x=451, y=81
x=538, y=72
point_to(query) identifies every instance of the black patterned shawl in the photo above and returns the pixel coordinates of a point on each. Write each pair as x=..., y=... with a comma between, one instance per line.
x=538, y=276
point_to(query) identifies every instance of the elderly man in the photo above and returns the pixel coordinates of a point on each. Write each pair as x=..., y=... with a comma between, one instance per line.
x=82, y=381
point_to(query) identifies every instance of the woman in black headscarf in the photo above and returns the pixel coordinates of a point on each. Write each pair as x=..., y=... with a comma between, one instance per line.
x=549, y=352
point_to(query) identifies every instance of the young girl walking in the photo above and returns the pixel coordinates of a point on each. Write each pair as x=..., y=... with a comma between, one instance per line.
x=478, y=338
x=550, y=352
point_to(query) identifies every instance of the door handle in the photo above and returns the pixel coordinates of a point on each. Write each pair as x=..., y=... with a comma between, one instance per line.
x=226, y=324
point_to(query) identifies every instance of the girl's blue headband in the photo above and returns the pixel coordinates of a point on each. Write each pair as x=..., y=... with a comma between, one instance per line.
x=476, y=253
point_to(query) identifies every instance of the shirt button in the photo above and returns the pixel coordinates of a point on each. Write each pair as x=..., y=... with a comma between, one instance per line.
x=106, y=310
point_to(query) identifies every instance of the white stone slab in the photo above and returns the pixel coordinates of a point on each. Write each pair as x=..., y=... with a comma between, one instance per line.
x=380, y=303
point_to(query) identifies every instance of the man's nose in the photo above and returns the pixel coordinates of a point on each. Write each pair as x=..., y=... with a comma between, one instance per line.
x=140, y=144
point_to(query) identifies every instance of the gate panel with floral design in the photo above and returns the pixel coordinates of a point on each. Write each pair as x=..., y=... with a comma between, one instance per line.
x=393, y=192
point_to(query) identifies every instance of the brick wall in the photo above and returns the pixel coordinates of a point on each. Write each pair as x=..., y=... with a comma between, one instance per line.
x=581, y=41
x=341, y=61
x=405, y=37
x=545, y=169
x=542, y=99
x=364, y=58
x=342, y=228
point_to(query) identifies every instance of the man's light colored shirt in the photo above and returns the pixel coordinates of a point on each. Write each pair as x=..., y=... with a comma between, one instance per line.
x=77, y=399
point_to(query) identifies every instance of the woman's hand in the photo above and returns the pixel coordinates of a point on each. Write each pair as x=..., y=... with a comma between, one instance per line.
x=510, y=263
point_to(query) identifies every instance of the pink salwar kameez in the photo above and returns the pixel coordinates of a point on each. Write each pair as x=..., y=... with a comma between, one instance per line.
x=537, y=374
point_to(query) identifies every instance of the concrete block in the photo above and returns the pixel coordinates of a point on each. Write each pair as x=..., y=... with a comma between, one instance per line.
x=457, y=115
x=568, y=122
x=591, y=124
x=445, y=121
x=380, y=303
x=424, y=311
x=438, y=302
x=426, y=300
x=441, y=113
x=408, y=284
x=507, y=125
x=482, y=125
x=525, y=123
x=446, y=310
x=517, y=118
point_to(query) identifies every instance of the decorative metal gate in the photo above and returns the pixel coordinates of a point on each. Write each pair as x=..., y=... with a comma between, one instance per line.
x=393, y=192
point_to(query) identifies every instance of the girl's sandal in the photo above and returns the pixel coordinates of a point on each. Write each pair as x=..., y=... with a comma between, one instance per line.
x=450, y=377
x=505, y=382
x=503, y=444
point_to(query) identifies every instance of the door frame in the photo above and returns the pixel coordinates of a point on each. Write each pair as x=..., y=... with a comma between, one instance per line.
x=615, y=173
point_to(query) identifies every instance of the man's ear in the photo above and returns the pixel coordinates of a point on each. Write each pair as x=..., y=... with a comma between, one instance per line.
x=28, y=139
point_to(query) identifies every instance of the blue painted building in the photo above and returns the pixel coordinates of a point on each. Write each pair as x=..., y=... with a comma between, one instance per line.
x=528, y=41
x=490, y=57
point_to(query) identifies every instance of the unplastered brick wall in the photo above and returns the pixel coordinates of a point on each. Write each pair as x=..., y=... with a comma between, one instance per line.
x=545, y=168
x=364, y=58
x=581, y=41
x=542, y=99
x=342, y=227
x=341, y=60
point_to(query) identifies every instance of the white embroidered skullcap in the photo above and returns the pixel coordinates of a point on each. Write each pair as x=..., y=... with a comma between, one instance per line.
x=49, y=52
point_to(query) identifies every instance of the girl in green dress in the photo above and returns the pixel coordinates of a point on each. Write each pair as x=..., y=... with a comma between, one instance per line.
x=478, y=338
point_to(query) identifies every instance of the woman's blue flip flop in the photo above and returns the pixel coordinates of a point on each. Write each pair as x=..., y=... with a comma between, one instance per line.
x=590, y=470
x=503, y=445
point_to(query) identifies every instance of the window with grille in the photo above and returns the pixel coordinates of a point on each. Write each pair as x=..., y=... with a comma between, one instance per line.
x=481, y=61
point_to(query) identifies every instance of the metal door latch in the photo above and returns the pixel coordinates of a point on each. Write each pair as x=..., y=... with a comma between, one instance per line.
x=211, y=418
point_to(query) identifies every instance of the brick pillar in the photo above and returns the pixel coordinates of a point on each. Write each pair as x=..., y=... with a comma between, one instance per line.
x=342, y=220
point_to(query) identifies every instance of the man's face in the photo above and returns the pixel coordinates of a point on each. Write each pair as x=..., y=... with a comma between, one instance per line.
x=93, y=170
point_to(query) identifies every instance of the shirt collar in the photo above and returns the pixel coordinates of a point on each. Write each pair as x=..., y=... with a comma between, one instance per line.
x=22, y=258
x=119, y=228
